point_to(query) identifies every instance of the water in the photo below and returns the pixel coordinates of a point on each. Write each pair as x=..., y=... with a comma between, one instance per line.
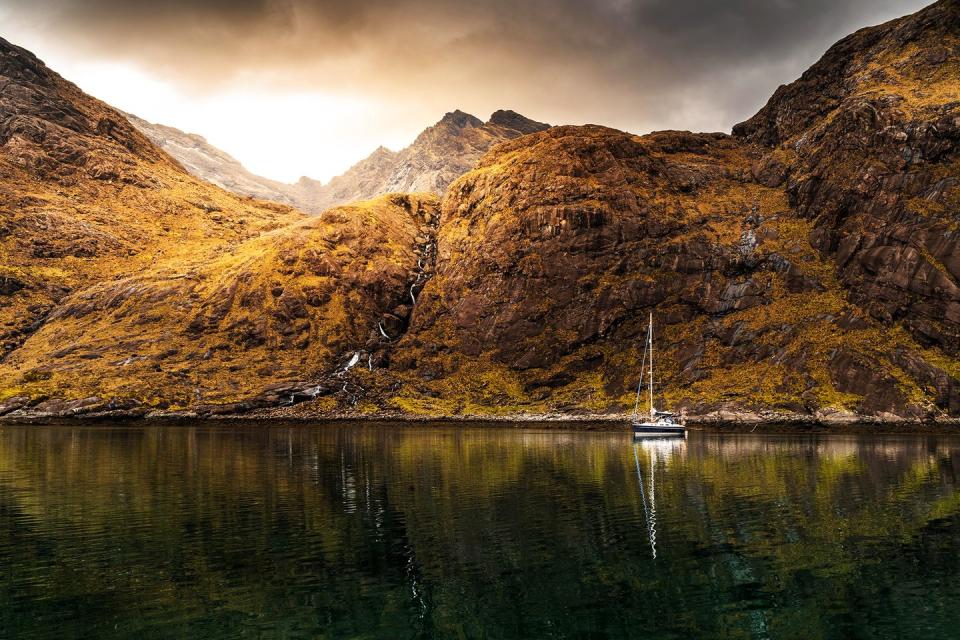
x=411, y=532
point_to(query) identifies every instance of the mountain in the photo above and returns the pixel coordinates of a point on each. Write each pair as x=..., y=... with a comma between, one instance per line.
x=207, y=162
x=865, y=145
x=809, y=263
x=805, y=267
x=439, y=155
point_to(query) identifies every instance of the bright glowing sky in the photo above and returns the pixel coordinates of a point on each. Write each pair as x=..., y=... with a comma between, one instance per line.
x=300, y=87
x=279, y=134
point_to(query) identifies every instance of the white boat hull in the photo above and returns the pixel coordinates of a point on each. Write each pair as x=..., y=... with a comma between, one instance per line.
x=655, y=429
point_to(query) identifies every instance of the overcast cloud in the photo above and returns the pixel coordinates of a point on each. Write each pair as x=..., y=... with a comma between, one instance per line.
x=637, y=65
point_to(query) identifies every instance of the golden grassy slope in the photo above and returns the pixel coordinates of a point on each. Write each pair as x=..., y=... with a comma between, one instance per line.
x=221, y=326
x=57, y=239
x=84, y=198
x=128, y=282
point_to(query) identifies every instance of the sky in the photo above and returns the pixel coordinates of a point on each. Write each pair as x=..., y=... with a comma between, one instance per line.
x=300, y=87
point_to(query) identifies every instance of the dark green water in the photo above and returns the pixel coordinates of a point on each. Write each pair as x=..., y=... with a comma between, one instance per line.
x=403, y=532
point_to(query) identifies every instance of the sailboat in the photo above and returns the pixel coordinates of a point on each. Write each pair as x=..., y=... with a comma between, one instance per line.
x=658, y=423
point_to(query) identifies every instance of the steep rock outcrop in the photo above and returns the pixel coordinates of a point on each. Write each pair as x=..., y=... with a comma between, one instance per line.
x=867, y=143
x=553, y=251
x=49, y=128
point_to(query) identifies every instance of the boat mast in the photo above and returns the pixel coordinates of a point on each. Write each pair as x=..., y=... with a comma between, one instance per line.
x=650, y=346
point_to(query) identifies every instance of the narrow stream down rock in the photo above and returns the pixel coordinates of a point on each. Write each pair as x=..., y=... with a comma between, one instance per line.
x=392, y=326
x=387, y=321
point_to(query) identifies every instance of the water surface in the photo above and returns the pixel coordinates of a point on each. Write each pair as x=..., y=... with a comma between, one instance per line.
x=394, y=531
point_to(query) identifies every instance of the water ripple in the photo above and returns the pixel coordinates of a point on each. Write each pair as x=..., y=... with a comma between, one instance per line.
x=393, y=532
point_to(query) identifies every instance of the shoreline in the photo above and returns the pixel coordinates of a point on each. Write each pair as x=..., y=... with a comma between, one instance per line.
x=717, y=422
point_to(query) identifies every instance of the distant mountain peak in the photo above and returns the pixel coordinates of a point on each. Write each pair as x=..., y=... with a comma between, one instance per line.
x=438, y=156
x=382, y=152
x=460, y=119
x=307, y=181
x=513, y=120
x=203, y=160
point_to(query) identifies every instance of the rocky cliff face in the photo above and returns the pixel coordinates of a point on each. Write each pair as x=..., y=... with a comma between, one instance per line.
x=810, y=263
x=554, y=249
x=866, y=145
x=806, y=264
x=436, y=158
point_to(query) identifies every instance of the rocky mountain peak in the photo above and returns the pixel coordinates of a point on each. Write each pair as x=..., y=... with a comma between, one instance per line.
x=16, y=62
x=307, y=181
x=892, y=58
x=381, y=152
x=459, y=120
x=513, y=120
x=449, y=149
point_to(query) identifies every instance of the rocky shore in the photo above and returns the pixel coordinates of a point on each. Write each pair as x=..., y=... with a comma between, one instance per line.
x=90, y=412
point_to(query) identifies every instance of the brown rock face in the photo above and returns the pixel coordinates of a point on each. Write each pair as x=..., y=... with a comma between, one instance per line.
x=866, y=143
x=558, y=242
x=553, y=251
x=49, y=128
x=809, y=262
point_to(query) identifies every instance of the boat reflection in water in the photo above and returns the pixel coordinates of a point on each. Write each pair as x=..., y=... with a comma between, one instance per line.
x=656, y=451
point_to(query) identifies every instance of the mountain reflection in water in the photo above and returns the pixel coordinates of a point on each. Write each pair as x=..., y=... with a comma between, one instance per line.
x=658, y=448
x=395, y=531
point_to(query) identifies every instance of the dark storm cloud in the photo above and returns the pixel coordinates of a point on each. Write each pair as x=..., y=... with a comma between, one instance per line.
x=635, y=64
